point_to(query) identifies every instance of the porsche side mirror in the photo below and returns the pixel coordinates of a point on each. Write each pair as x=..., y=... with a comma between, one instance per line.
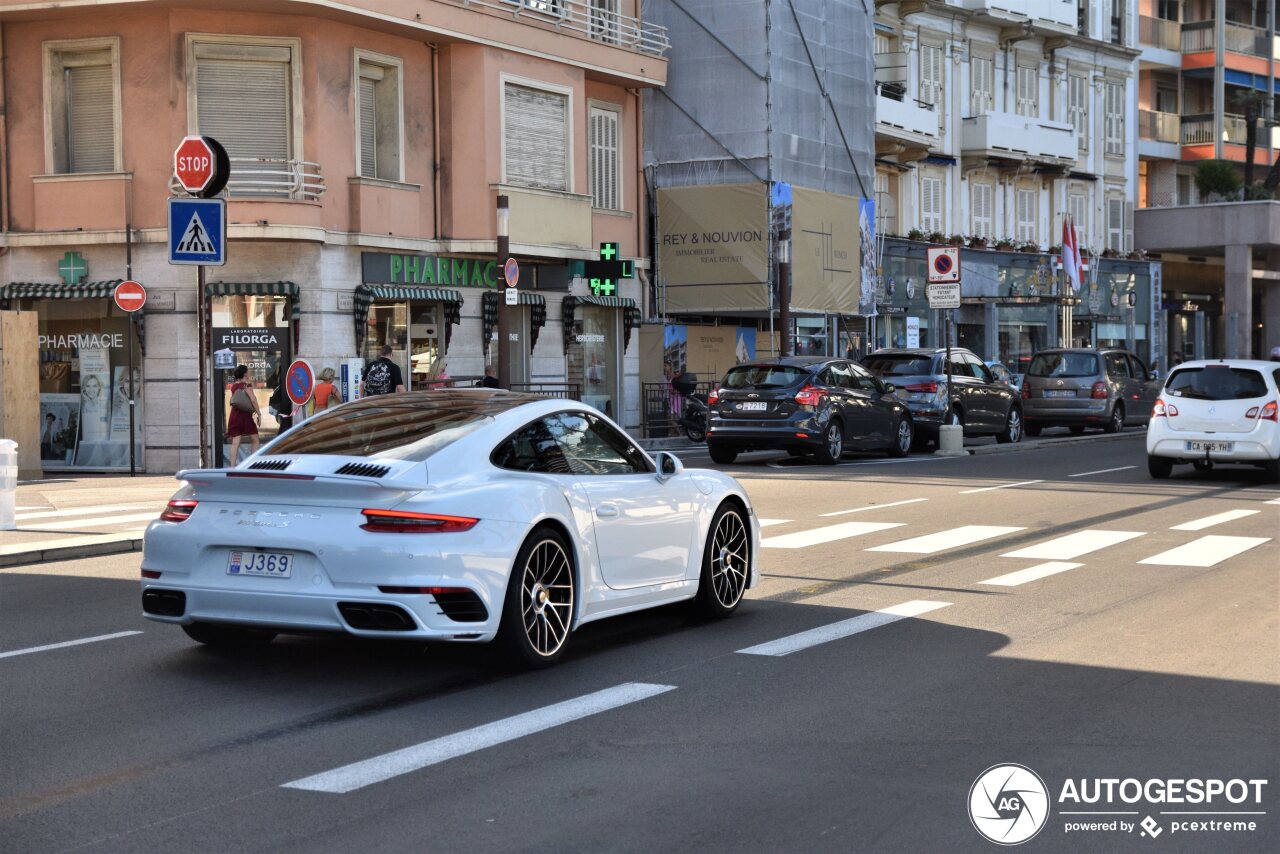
x=669, y=465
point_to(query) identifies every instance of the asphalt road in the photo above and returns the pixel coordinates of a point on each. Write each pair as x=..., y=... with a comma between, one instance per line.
x=1080, y=662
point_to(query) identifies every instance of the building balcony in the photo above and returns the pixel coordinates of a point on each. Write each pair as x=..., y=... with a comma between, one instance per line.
x=1159, y=33
x=271, y=178
x=1198, y=139
x=587, y=19
x=1014, y=137
x=1159, y=127
x=1198, y=37
x=1059, y=16
x=904, y=126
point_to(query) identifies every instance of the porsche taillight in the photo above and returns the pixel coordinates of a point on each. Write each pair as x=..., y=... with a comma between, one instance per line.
x=178, y=510
x=408, y=522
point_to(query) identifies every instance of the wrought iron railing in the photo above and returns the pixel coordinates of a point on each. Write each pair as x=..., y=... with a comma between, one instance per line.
x=572, y=391
x=595, y=19
x=271, y=177
x=663, y=407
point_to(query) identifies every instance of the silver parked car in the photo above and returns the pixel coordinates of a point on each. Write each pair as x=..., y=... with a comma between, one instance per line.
x=1079, y=388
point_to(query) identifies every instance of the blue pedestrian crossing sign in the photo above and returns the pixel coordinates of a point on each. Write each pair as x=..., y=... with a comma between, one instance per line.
x=198, y=231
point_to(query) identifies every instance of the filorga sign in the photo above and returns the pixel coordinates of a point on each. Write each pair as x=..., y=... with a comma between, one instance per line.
x=242, y=339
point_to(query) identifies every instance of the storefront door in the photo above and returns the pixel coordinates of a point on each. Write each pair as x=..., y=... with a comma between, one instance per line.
x=595, y=357
x=518, y=346
x=254, y=331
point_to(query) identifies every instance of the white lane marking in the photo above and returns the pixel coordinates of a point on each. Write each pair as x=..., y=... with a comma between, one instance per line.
x=70, y=542
x=357, y=775
x=1032, y=573
x=1001, y=486
x=1073, y=545
x=89, y=523
x=53, y=513
x=961, y=536
x=1206, y=551
x=828, y=534
x=781, y=464
x=64, y=644
x=765, y=523
x=1210, y=521
x=22, y=507
x=844, y=628
x=1102, y=471
x=874, y=507
x=1274, y=501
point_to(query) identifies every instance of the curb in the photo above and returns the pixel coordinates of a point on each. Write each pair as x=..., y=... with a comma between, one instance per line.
x=1040, y=444
x=671, y=444
x=71, y=551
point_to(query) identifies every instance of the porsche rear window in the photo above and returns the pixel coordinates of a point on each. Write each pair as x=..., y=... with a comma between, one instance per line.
x=1216, y=382
x=1064, y=365
x=763, y=376
x=898, y=366
x=381, y=432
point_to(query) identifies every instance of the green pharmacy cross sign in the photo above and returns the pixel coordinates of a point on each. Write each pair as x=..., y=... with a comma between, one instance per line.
x=72, y=268
x=603, y=275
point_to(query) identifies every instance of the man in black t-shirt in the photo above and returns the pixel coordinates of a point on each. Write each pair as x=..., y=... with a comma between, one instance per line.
x=382, y=376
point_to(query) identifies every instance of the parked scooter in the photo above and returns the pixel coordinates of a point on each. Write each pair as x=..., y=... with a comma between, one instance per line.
x=693, y=408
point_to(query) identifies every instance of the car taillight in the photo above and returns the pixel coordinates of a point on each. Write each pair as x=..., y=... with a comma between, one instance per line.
x=178, y=510
x=407, y=522
x=714, y=397
x=810, y=396
x=1162, y=409
x=1265, y=413
x=1026, y=391
x=429, y=591
x=1099, y=391
x=922, y=388
x=150, y=573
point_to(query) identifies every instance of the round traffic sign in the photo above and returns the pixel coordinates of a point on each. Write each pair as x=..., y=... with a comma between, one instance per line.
x=201, y=165
x=511, y=272
x=299, y=381
x=130, y=296
x=942, y=264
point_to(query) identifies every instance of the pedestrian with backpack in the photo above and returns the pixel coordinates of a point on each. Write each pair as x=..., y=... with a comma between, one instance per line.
x=382, y=376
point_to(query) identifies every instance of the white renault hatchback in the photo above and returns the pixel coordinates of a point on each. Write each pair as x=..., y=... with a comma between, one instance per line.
x=1213, y=412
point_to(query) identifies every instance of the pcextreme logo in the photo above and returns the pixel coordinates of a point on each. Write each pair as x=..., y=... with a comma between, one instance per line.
x=1008, y=804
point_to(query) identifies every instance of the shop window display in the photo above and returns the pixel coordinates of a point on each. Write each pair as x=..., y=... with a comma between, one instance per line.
x=594, y=356
x=263, y=343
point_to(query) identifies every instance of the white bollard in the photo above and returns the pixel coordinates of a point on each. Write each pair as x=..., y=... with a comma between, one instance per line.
x=950, y=441
x=8, y=483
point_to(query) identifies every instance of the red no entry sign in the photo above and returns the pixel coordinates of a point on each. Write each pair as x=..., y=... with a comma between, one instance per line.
x=300, y=381
x=130, y=296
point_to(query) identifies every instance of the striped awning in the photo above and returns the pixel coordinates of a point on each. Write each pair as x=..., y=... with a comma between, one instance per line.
x=489, y=314
x=261, y=289
x=366, y=295
x=608, y=302
x=57, y=290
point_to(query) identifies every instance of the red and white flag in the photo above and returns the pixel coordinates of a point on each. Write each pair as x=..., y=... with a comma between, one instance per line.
x=1071, y=261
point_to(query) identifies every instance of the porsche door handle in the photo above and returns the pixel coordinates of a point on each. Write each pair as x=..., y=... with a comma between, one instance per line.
x=607, y=511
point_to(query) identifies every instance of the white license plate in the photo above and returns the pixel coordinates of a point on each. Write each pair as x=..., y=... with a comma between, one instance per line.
x=268, y=564
x=1201, y=447
x=1056, y=393
x=755, y=406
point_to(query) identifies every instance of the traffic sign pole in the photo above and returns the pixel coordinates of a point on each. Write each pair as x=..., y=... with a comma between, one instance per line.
x=504, y=313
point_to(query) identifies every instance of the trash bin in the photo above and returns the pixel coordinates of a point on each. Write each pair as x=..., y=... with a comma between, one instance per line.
x=8, y=483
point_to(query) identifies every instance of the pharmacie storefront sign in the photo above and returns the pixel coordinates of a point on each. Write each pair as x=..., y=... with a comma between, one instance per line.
x=383, y=268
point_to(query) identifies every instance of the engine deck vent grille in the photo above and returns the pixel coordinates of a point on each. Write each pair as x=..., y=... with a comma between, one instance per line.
x=271, y=465
x=364, y=470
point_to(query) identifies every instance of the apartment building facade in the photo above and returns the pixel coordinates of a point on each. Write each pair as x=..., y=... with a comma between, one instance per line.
x=368, y=143
x=994, y=121
x=1205, y=66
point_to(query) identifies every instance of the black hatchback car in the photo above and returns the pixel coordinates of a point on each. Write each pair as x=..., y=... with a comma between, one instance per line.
x=806, y=405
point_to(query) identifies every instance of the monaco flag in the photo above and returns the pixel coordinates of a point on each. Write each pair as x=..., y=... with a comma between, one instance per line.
x=1071, y=261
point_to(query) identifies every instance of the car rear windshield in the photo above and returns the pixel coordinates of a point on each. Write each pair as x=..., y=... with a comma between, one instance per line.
x=763, y=376
x=1064, y=365
x=1216, y=382
x=898, y=366
x=390, y=431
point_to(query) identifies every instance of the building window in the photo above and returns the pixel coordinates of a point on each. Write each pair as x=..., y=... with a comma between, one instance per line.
x=1078, y=108
x=983, y=70
x=1078, y=207
x=1026, y=202
x=606, y=158
x=246, y=93
x=535, y=137
x=378, y=117
x=931, y=204
x=1115, y=119
x=82, y=106
x=932, y=85
x=982, y=210
x=1028, y=91
x=886, y=203
x=1115, y=224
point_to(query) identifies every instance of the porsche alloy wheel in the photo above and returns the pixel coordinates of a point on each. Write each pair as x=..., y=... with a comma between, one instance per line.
x=539, y=609
x=725, y=563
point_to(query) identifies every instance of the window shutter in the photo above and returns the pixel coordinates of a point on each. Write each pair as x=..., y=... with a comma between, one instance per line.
x=537, y=148
x=368, y=128
x=1025, y=203
x=90, y=119
x=931, y=204
x=983, y=71
x=1128, y=226
x=1078, y=107
x=1115, y=224
x=1028, y=96
x=1115, y=118
x=1078, y=208
x=931, y=87
x=604, y=159
x=982, y=198
x=244, y=104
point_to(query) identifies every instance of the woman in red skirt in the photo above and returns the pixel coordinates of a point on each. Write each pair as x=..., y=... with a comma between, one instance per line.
x=242, y=422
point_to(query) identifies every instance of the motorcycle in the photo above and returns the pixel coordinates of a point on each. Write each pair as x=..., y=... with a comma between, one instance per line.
x=693, y=409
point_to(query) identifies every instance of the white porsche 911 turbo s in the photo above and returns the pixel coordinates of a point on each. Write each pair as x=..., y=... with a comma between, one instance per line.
x=453, y=515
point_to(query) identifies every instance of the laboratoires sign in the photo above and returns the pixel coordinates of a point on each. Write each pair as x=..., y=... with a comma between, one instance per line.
x=241, y=339
x=384, y=268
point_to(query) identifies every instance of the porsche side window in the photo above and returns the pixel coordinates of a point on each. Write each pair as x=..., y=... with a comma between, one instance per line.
x=533, y=448
x=591, y=447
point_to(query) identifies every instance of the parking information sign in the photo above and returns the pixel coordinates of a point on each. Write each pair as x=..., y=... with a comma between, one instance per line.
x=197, y=231
x=944, y=264
x=943, y=296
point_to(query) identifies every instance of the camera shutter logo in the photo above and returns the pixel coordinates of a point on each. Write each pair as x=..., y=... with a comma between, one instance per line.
x=1008, y=804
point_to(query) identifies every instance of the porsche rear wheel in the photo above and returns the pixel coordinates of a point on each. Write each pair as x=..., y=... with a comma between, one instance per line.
x=537, y=615
x=726, y=561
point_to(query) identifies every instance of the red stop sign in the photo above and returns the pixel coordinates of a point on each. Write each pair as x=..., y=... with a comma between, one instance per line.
x=194, y=164
x=130, y=296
